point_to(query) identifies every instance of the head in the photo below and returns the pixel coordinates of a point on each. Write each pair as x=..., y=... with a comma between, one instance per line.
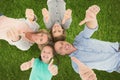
x=63, y=47
x=47, y=53
x=58, y=32
x=41, y=37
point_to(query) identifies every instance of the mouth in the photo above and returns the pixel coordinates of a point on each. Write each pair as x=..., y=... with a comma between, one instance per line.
x=45, y=57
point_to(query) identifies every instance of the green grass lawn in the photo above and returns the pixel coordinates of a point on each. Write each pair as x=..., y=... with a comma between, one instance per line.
x=109, y=30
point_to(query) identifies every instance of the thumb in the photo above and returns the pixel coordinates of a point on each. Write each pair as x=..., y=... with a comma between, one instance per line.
x=82, y=22
x=63, y=21
x=51, y=62
x=75, y=60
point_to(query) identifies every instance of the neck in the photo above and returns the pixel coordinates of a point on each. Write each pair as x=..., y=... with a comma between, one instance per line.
x=72, y=50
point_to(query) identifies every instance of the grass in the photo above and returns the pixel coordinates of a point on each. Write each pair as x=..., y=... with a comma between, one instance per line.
x=109, y=30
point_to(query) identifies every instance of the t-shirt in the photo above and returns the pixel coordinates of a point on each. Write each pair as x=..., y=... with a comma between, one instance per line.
x=40, y=71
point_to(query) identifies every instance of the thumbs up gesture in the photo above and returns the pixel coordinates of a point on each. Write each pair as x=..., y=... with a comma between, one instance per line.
x=85, y=72
x=52, y=68
x=91, y=13
x=45, y=14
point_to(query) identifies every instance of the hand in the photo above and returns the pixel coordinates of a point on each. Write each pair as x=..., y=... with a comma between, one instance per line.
x=27, y=65
x=30, y=14
x=52, y=68
x=45, y=14
x=91, y=13
x=13, y=34
x=85, y=72
x=67, y=15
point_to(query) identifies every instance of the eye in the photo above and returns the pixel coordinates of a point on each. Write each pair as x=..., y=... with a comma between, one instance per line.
x=60, y=48
x=41, y=39
x=54, y=31
x=43, y=51
x=41, y=35
x=59, y=31
x=61, y=43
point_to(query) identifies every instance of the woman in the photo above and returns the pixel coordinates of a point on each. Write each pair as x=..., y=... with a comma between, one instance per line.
x=22, y=32
x=57, y=19
x=42, y=67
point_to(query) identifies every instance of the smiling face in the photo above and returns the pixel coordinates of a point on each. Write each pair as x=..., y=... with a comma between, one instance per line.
x=46, y=54
x=57, y=30
x=63, y=47
x=40, y=38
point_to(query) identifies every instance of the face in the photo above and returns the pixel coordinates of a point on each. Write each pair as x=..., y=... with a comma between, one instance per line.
x=46, y=54
x=63, y=47
x=40, y=38
x=57, y=30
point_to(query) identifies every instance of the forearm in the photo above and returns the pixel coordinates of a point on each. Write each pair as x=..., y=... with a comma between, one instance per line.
x=47, y=24
x=27, y=65
x=67, y=24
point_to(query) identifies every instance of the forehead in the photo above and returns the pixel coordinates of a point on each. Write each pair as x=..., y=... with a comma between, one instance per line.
x=47, y=48
x=57, y=45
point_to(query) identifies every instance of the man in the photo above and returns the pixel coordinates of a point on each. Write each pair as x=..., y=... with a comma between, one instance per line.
x=93, y=53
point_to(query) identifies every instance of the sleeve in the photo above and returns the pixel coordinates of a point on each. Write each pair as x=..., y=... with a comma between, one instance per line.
x=48, y=24
x=66, y=25
x=86, y=33
x=22, y=44
x=75, y=67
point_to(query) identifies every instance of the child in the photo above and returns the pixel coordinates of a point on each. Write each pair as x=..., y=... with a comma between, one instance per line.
x=42, y=67
x=57, y=19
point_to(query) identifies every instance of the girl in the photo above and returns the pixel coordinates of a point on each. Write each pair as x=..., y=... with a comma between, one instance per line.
x=22, y=32
x=42, y=67
x=57, y=19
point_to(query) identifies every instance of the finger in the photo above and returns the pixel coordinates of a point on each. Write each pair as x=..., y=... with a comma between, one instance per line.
x=51, y=62
x=75, y=60
x=82, y=22
x=92, y=77
x=63, y=21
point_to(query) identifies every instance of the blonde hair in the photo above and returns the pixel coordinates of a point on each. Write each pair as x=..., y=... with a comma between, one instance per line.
x=40, y=46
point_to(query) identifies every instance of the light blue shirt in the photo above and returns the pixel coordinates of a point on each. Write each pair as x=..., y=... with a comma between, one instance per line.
x=40, y=71
x=94, y=53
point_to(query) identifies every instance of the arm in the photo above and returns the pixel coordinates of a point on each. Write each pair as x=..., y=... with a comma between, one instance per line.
x=91, y=21
x=46, y=18
x=27, y=65
x=90, y=18
x=85, y=72
x=53, y=68
x=67, y=19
